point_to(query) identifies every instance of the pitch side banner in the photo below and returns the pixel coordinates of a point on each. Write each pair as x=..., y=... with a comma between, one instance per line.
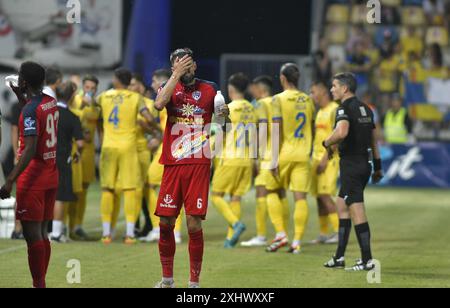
x=420, y=165
x=72, y=34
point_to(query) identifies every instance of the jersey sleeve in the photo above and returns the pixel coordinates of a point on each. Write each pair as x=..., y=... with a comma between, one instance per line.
x=30, y=121
x=342, y=115
x=276, y=108
x=261, y=112
x=142, y=107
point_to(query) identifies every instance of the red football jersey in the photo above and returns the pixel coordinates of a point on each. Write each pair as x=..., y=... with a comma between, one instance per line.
x=40, y=118
x=190, y=111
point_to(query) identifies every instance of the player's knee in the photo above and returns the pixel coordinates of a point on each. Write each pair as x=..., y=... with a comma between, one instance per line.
x=169, y=221
x=194, y=224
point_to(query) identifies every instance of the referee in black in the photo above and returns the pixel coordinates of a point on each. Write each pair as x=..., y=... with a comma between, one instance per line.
x=355, y=135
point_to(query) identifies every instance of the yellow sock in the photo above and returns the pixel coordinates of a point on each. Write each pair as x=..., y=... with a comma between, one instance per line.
x=139, y=197
x=236, y=208
x=116, y=209
x=129, y=198
x=324, y=223
x=261, y=215
x=152, y=201
x=286, y=213
x=300, y=219
x=334, y=221
x=107, y=206
x=81, y=208
x=275, y=209
x=179, y=222
x=225, y=209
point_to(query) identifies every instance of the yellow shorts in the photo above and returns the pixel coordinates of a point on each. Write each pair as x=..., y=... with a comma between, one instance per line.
x=232, y=180
x=88, y=164
x=144, y=165
x=119, y=167
x=263, y=178
x=325, y=183
x=77, y=177
x=155, y=172
x=295, y=176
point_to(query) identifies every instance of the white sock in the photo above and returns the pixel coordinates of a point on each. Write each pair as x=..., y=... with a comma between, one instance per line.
x=177, y=234
x=281, y=234
x=296, y=243
x=106, y=229
x=167, y=280
x=57, y=228
x=261, y=238
x=156, y=231
x=130, y=229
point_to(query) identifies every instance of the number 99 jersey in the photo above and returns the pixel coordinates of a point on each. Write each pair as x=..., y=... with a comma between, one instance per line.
x=39, y=118
x=296, y=109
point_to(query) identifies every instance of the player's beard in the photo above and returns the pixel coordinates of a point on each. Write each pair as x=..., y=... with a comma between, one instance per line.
x=187, y=79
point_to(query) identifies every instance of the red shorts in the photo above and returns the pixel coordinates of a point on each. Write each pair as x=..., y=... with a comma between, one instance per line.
x=35, y=205
x=184, y=184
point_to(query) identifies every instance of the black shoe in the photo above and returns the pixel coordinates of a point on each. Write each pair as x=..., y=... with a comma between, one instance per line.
x=17, y=236
x=335, y=263
x=360, y=266
x=81, y=234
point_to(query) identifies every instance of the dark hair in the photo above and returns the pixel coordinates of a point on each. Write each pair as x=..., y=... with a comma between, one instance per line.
x=180, y=53
x=324, y=84
x=240, y=82
x=162, y=73
x=291, y=72
x=124, y=76
x=91, y=78
x=348, y=80
x=33, y=74
x=139, y=78
x=66, y=91
x=52, y=75
x=266, y=81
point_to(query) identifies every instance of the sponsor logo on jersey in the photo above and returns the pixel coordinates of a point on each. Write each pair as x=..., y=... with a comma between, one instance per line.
x=189, y=145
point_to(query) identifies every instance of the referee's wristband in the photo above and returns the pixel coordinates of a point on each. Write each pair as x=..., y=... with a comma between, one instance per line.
x=377, y=165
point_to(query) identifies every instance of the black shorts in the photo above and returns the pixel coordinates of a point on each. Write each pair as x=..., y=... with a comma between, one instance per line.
x=65, y=187
x=355, y=175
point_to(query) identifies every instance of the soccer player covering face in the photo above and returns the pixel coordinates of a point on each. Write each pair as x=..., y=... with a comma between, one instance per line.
x=324, y=171
x=355, y=135
x=187, y=161
x=36, y=172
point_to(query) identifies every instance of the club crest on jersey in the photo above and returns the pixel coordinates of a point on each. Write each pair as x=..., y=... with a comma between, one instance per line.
x=197, y=95
x=29, y=123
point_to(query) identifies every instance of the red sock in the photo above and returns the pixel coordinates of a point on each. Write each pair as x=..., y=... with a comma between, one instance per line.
x=36, y=260
x=167, y=249
x=196, y=245
x=48, y=253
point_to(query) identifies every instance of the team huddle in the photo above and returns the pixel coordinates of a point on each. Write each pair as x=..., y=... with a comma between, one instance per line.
x=281, y=143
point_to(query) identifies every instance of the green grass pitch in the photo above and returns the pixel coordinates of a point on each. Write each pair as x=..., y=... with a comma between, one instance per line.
x=409, y=227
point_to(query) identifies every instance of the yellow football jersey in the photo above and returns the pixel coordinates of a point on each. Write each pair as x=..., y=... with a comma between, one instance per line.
x=141, y=139
x=241, y=140
x=296, y=109
x=120, y=109
x=162, y=121
x=89, y=115
x=325, y=122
